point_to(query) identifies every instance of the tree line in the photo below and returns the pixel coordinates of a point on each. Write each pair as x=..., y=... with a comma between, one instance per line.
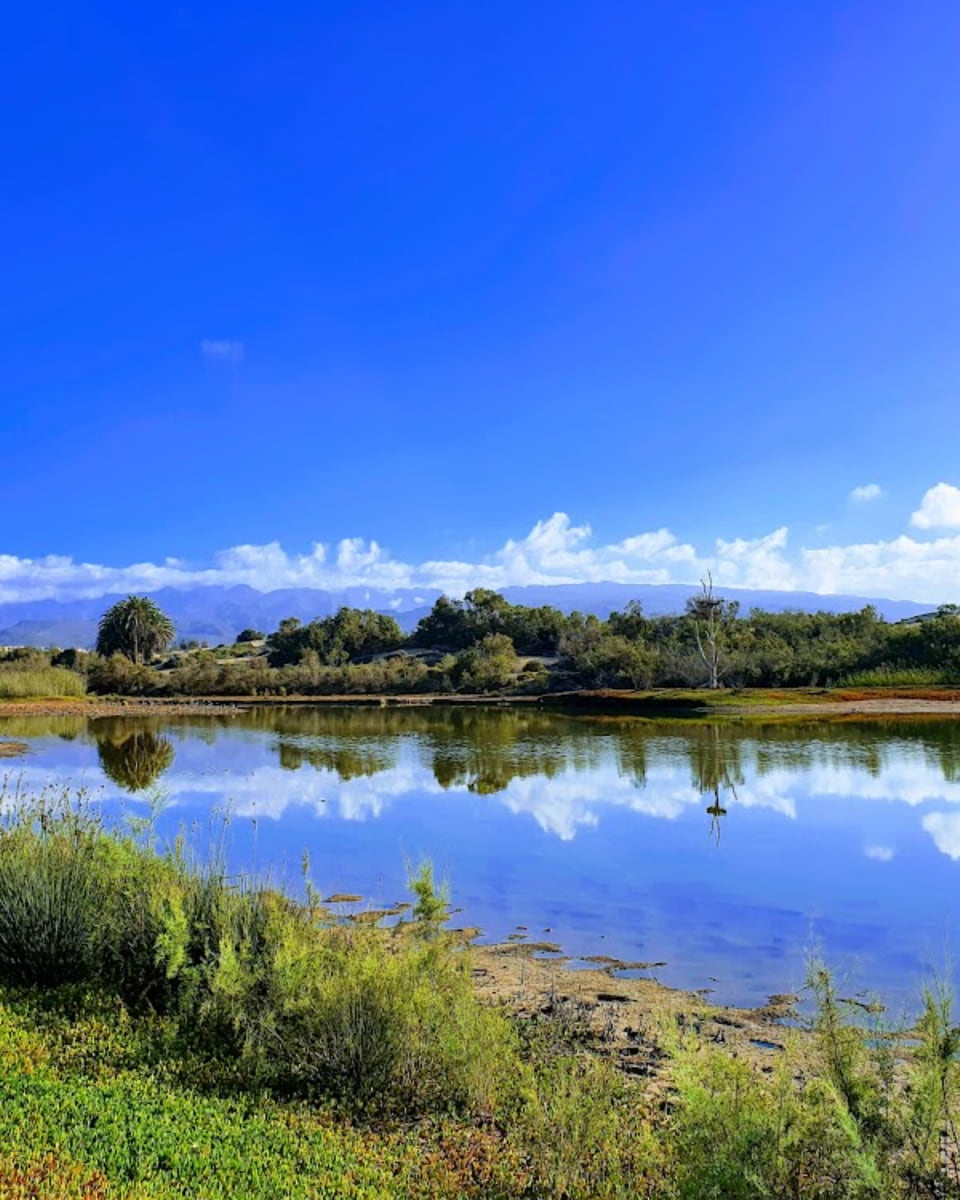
x=484, y=644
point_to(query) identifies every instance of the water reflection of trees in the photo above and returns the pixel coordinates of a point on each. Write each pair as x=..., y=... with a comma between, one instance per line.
x=485, y=749
x=480, y=749
x=135, y=760
x=716, y=763
x=350, y=761
x=67, y=727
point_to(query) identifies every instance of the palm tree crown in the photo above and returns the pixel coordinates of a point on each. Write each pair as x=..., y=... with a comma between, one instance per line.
x=135, y=627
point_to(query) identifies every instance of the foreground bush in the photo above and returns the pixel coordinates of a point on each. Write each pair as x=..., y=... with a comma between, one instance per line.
x=378, y=1018
x=382, y=1020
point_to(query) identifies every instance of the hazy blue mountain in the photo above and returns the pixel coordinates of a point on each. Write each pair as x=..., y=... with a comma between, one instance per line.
x=666, y=598
x=217, y=614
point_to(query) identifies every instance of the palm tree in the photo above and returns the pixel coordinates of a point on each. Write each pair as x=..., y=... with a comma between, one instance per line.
x=135, y=627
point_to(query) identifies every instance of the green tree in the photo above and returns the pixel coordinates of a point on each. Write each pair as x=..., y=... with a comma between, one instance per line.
x=136, y=628
x=250, y=635
x=631, y=623
x=349, y=634
x=488, y=666
x=444, y=627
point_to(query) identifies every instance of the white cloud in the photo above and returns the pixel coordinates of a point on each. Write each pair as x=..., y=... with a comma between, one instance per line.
x=554, y=551
x=879, y=853
x=939, y=508
x=902, y=568
x=761, y=560
x=866, y=492
x=222, y=350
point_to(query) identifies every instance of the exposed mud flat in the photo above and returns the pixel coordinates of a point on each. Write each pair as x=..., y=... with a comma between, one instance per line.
x=624, y=1017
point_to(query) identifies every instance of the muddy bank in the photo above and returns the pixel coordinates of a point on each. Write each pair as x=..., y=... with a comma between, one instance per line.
x=128, y=707
x=623, y=1018
x=799, y=702
x=653, y=705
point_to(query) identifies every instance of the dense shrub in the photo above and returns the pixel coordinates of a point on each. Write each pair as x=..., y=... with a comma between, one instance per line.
x=380, y=1023
x=489, y=665
x=378, y=1018
x=119, y=675
x=350, y=633
x=78, y=905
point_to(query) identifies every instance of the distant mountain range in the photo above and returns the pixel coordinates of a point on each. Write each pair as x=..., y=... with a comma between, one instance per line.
x=217, y=614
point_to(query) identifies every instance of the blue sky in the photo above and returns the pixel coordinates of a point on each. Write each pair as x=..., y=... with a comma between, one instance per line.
x=427, y=274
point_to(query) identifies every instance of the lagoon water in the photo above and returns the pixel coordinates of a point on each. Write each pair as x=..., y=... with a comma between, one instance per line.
x=724, y=851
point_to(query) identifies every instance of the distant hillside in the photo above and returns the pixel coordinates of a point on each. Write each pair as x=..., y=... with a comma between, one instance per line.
x=664, y=599
x=217, y=614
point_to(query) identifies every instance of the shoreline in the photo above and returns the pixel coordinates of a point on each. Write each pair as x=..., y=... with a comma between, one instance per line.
x=820, y=703
x=621, y=1018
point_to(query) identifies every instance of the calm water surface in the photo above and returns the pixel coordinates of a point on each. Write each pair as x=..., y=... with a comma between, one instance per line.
x=723, y=850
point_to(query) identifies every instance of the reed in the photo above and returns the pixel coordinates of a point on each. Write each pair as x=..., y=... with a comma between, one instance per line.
x=40, y=683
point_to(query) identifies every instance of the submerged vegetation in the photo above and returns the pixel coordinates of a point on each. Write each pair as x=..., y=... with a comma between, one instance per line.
x=485, y=645
x=167, y=1031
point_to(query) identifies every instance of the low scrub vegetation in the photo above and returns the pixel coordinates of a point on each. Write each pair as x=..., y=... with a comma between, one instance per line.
x=165, y=1032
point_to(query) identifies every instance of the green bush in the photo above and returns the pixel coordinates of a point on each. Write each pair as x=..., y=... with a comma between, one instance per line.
x=849, y=1111
x=489, y=665
x=117, y=675
x=378, y=1018
x=79, y=904
x=739, y=1135
x=587, y=1134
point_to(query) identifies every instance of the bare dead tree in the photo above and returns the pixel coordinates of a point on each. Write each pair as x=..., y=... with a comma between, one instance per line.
x=707, y=612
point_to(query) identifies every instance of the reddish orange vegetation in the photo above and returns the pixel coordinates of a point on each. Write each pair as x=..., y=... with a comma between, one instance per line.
x=897, y=693
x=49, y=1178
x=785, y=702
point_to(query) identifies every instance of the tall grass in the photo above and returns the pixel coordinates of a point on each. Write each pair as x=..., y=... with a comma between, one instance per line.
x=39, y=683
x=896, y=677
x=849, y=1111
